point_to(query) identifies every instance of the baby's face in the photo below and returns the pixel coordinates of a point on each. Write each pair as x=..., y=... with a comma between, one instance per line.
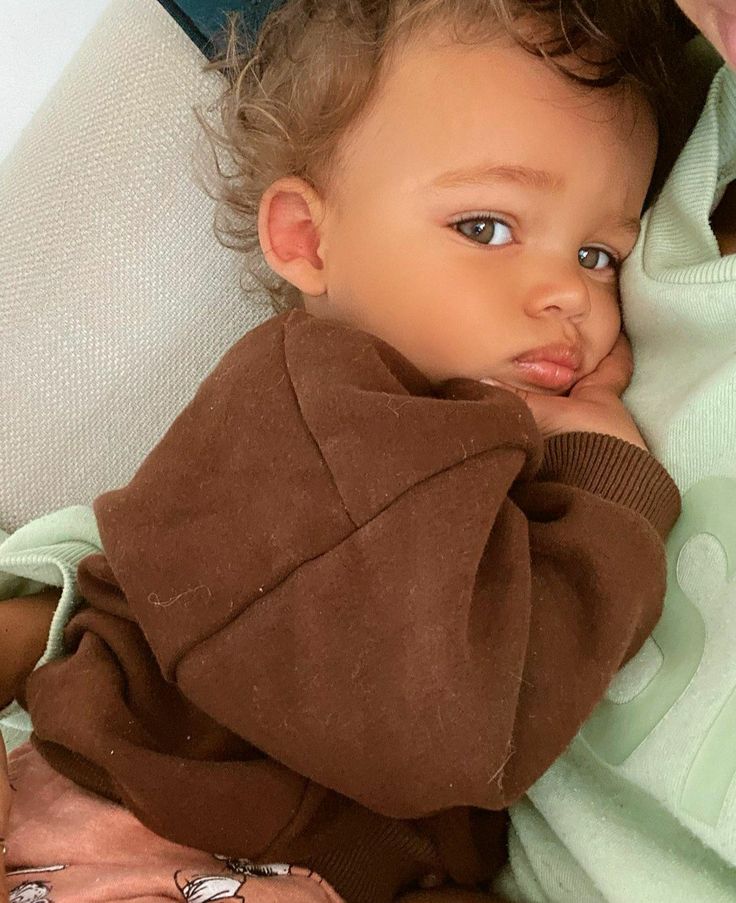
x=479, y=212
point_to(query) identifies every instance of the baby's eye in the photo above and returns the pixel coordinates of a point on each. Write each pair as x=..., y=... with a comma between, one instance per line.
x=596, y=259
x=485, y=230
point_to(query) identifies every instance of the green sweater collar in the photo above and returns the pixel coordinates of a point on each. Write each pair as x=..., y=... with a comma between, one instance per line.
x=678, y=244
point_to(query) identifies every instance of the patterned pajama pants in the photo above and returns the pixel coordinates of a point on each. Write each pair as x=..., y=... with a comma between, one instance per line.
x=68, y=846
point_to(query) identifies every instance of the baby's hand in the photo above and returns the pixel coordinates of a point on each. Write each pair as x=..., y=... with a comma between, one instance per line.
x=4, y=818
x=594, y=404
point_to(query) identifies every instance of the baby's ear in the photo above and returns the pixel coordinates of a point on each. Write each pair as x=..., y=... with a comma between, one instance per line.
x=289, y=231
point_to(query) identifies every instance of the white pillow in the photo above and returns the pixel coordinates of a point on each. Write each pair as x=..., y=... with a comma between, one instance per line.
x=115, y=297
x=37, y=40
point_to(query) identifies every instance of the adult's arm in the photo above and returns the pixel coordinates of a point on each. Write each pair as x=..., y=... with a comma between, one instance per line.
x=38, y=593
x=5, y=795
x=24, y=628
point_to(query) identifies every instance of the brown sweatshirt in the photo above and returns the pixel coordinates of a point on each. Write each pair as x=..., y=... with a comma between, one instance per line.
x=342, y=617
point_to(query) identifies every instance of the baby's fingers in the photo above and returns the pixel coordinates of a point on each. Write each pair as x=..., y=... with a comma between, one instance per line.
x=613, y=373
x=545, y=408
x=553, y=414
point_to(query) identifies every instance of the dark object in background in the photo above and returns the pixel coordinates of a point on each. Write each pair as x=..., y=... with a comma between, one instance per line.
x=201, y=19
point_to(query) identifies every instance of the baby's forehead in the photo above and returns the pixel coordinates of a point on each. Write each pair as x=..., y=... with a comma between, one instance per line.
x=440, y=104
x=434, y=76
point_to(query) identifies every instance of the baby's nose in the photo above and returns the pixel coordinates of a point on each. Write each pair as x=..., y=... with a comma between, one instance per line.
x=563, y=293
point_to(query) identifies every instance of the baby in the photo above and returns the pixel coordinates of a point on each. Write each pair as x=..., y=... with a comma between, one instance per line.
x=379, y=571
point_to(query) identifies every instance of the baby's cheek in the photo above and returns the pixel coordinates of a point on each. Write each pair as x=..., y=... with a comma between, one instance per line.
x=609, y=328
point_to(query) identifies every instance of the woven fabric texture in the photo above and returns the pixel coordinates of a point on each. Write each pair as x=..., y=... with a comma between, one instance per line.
x=115, y=297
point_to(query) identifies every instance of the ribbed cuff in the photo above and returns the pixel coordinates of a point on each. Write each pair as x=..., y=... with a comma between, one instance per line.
x=614, y=470
x=376, y=859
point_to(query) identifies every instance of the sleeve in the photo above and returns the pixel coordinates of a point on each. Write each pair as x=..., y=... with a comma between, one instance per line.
x=409, y=599
x=45, y=552
x=448, y=652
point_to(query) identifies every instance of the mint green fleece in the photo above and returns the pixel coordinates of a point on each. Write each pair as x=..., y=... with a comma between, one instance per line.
x=43, y=553
x=642, y=807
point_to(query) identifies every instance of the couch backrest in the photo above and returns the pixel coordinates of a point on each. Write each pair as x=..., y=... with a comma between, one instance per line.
x=115, y=297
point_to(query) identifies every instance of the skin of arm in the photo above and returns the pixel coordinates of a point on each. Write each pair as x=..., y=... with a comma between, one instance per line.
x=4, y=814
x=24, y=627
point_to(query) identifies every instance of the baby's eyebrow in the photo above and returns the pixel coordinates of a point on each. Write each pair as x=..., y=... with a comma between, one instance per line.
x=524, y=175
x=628, y=224
x=495, y=172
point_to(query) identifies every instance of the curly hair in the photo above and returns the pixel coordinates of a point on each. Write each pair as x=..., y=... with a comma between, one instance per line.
x=294, y=90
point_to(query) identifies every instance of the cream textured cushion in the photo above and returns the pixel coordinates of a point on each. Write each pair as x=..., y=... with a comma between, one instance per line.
x=115, y=297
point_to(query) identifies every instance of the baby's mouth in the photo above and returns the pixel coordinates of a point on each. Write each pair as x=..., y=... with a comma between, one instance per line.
x=546, y=374
x=552, y=367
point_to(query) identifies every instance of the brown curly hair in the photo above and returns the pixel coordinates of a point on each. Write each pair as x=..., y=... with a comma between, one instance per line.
x=293, y=91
